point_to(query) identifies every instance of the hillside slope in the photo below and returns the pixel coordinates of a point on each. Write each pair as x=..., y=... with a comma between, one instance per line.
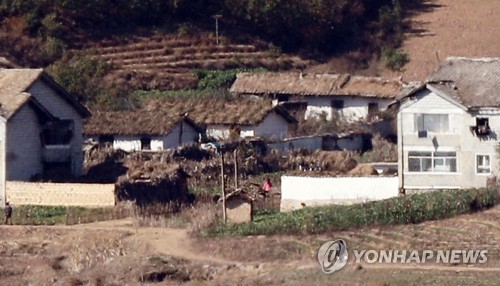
x=444, y=28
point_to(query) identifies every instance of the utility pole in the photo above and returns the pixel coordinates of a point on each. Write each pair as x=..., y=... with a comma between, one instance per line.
x=236, y=169
x=222, y=186
x=216, y=17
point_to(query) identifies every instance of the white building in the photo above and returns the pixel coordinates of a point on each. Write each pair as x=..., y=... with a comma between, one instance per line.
x=274, y=124
x=337, y=96
x=448, y=129
x=140, y=130
x=40, y=127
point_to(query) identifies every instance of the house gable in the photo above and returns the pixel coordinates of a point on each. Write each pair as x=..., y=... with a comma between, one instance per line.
x=428, y=100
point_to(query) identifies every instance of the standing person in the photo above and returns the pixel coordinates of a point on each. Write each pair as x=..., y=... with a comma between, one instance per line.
x=7, y=211
x=267, y=186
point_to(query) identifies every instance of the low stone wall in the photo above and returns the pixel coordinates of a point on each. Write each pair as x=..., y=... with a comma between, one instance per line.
x=60, y=194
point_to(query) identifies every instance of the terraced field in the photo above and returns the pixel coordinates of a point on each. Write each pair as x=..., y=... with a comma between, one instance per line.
x=166, y=61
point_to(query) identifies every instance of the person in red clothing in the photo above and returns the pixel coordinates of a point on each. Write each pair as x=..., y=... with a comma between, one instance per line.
x=267, y=186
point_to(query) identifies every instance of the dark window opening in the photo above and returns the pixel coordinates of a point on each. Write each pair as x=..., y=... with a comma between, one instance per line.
x=282, y=97
x=57, y=132
x=145, y=143
x=482, y=126
x=337, y=104
x=106, y=139
x=372, y=108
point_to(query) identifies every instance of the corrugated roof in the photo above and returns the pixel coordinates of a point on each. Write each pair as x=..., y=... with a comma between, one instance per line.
x=317, y=85
x=472, y=82
x=138, y=122
x=13, y=85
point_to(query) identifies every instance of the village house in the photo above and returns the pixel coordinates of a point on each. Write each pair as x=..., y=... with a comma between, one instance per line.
x=139, y=130
x=40, y=127
x=225, y=119
x=335, y=96
x=448, y=128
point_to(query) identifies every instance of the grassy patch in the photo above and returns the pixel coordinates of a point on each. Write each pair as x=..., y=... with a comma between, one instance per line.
x=409, y=209
x=51, y=215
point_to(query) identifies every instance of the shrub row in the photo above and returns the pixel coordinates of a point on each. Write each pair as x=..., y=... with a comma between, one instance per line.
x=408, y=209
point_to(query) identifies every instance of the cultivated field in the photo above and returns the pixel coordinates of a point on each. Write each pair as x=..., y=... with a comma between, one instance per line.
x=444, y=28
x=167, y=61
x=118, y=253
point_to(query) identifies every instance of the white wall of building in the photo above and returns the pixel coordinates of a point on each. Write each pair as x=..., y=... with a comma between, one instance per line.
x=172, y=140
x=459, y=138
x=274, y=126
x=355, y=108
x=314, y=191
x=2, y=160
x=60, y=108
x=24, y=149
x=307, y=143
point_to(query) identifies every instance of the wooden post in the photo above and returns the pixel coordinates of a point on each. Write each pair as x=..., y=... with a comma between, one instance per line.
x=223, y=191
x=235, y=169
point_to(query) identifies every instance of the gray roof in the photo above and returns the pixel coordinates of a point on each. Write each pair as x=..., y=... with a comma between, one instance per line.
x=14, y=86
x=472, y=82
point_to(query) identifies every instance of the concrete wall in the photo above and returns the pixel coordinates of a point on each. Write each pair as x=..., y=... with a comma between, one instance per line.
x=355, y=108
x=24, y=149
x=313, y=191
x=238, y=210
x=307, y=143
x=60, y=108
x=53, y=194
x=458, y=138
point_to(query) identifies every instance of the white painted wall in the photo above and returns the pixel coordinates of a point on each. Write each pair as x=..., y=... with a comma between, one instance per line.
x=314, y=191
x=274, y=126
x=63, y=110
x=131, y=143
x=2, y=160
x=24, y=149
x=459, y=139
x=355, y=108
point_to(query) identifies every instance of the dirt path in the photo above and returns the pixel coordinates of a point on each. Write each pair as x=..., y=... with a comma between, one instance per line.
x=168, y=241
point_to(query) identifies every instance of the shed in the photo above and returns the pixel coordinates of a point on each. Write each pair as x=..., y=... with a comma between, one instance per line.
x=239, y=207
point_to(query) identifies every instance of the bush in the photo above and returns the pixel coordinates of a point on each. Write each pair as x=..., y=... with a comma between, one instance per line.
x=216, y=79
x=395, y=59
x=408, y=209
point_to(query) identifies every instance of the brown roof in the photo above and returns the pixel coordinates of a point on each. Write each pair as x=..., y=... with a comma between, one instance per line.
x=14, y=84
x=472, y=82
x=215, y=111
x=317, y=85
x=138, y=122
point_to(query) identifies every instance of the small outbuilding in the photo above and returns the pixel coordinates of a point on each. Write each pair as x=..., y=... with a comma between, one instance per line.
x=153, y=130
x=239, y=207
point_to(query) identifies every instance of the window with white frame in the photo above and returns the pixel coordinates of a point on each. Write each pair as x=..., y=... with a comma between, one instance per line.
x=438, y=123
x=483, y=164
x=432, y=161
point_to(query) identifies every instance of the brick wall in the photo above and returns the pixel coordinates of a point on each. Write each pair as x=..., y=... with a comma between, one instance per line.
x=60, y=194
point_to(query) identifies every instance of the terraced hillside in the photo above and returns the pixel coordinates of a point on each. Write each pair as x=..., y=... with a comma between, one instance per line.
x=167, y=61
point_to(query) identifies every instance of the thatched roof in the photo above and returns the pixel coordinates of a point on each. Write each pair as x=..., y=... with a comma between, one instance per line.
x=138, y=122
x=316, y=85
x=14, y=84
x=218, y=111
x=472, y=82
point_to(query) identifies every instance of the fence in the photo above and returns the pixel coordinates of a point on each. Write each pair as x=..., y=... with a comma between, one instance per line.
x=60, y=194
x=297, y=192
